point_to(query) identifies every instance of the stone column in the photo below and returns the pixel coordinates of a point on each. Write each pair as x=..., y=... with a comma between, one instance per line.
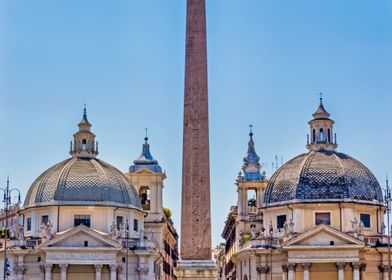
x=291, y=271
x=22, y=272
x=63, y=268
x=48, y=271
x=356, y=266
x=113, y=272
x=363, y=269
x=340, y=266
x=263, y=270
x=42, y=271
x=306, y=268
x=384, y=270
x=98, y=271
x=284, y=272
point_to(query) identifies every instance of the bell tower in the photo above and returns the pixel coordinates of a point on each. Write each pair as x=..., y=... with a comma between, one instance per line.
x=321, y=131
x=251, y=184
x=84, y=144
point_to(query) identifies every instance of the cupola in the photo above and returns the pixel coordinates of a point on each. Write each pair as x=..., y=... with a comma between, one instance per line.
x=321, y=131
x=84, y=144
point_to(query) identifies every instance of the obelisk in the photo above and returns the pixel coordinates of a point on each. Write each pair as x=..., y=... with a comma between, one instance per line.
x=195, y=249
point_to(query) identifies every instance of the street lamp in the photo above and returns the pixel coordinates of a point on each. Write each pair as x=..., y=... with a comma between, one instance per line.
x=7, y=201
x=388, y=199
x=127, y=249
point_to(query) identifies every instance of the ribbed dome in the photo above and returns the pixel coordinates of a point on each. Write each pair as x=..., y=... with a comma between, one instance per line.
x=323, y=176
x=82, y=181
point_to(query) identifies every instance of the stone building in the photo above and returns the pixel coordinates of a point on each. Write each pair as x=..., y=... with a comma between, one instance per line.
x=320, y=216
x=85, y=219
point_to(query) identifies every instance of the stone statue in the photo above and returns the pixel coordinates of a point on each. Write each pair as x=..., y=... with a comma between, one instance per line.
x=291, y=226
x=149, y=234
x=286, y=228
x=262, y=230
x=383, y=227
x=49, y=227
x=253, y=232
x=122, y=230
x=354, y=225
x=361, y=226
x=114, y=231
x=43, y=231
x=242, y=239
x=12, y=232
x=141, y=237
x=21, y=233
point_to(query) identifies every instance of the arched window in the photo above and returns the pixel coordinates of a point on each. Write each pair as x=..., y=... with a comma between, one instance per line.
x=329, y=135
x=314, y=136
x=84, y=145
x=321, y=135
x=144, y=194
x=245, y=277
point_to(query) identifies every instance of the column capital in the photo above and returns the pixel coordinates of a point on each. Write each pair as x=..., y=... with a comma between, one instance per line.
x=262, y=269
x=291, y=266
x=63, y=266
x=113, y=267
x=284, y=268
x=356, y=265
x=48, y=267
x=98, y=267
x=42, y=268
x=363, y=266
x=383, y=268
x=306, y=266
x=341, y=265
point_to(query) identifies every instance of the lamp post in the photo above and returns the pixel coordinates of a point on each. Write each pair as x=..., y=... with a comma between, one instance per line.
x=388, y=201
x=127, y=249
x=7, y=201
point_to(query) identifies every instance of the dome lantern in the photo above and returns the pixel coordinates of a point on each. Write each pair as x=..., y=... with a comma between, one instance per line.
x=321, y=131
x=84, y=144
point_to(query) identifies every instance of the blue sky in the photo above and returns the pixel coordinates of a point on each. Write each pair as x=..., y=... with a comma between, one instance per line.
x=268, y=60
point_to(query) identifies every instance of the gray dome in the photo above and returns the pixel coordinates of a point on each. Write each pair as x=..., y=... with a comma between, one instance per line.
x=82, y=181
x=323, y=176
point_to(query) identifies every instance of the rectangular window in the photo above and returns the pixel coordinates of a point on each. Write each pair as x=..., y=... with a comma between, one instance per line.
x=280, y=220
x=365, y=219
x=28, y=224
x=135, y=225
x=82, y=220
x=119, y=221
x=323, y=218
x=44, y=219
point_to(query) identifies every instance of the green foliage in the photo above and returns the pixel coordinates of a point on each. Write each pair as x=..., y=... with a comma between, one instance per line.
x=168, y=212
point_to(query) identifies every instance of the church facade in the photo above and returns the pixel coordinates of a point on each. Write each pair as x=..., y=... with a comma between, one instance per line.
x=85, y=219
x=320, y=216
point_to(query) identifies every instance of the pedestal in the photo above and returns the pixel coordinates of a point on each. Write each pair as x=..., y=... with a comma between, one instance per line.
x=196, y=270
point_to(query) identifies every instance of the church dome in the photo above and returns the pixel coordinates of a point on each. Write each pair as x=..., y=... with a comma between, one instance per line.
x=82, y=179
x=322, y=174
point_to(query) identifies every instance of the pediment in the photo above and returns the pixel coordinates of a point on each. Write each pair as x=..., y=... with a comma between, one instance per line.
x=323, y=235
x=78, y=236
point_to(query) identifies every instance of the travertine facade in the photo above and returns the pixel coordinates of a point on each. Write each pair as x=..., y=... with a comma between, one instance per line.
x=84, y=219
x=320, y=216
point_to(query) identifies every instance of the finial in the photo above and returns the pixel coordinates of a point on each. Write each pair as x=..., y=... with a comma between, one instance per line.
x=250, y=130
x=8, y=180
x=387, y=181
x=85, y=109
x=321, y=98
x=146, y=138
